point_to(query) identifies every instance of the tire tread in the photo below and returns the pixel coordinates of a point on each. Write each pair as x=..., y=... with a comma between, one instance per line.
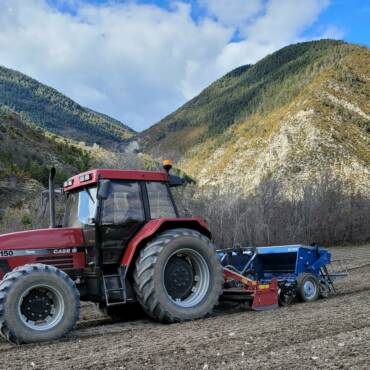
x=12, y=277
x=144, y=273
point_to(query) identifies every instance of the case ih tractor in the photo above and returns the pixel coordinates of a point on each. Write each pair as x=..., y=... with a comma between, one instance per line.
x=121, y=241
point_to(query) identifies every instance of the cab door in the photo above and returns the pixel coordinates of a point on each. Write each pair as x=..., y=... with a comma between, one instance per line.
x=121, y=216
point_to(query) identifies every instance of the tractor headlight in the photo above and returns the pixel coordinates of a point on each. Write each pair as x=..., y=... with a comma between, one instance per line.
x=84, y=178
x=67, y=183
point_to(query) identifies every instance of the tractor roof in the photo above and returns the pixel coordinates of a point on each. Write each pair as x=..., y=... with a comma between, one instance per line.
x=92, y=177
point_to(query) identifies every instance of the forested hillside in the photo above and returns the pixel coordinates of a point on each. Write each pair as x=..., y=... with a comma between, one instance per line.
x=26, y=155
x=27, y=152
x=295, y=115
x=53, y=111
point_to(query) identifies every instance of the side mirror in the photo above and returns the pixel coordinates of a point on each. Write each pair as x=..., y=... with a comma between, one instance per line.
x=176, y=181
x=103, y=191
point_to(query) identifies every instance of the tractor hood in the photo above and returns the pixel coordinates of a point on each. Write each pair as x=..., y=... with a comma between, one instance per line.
x=43, y=238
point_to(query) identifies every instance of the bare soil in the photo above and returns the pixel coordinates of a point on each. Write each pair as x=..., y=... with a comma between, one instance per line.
x=332, y=333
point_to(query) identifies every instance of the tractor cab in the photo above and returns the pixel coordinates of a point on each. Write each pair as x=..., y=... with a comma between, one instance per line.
x=112, y=206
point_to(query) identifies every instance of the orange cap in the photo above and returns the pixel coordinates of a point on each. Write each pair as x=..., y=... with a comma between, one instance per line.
x=167, y=162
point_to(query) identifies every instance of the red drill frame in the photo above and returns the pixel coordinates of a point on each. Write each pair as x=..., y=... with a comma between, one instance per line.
x=264, y=296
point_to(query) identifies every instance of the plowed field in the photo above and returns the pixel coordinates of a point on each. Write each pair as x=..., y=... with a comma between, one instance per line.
x=330, y=333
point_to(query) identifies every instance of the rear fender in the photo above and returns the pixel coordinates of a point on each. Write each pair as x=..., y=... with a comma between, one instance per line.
x=153, y=228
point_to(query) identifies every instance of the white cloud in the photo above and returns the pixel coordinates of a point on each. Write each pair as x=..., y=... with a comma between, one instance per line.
x=140, y=62
x=284, y=20
x=280, y=24
x=233, y=12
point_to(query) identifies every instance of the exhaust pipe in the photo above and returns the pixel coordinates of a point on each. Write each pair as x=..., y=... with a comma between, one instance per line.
x=52, y=197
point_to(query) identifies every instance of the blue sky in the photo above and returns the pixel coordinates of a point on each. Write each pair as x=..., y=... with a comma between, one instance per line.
x=350, y=17
x=139, y=60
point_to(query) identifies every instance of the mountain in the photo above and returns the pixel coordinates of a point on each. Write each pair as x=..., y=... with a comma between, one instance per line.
x=26, y=155
x=297, y=114
x=53, y=111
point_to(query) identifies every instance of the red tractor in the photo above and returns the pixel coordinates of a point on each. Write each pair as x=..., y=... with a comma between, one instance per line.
x=121, y=241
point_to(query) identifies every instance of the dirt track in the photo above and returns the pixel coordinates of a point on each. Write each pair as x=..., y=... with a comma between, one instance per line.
x=330, y=333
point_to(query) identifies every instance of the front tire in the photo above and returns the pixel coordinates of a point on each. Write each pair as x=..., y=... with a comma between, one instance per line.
x=37, y=303
x=178, y=276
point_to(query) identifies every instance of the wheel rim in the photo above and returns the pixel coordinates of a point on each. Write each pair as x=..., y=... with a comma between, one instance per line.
x=186, y=277
x=309, y=289
x=41, y=307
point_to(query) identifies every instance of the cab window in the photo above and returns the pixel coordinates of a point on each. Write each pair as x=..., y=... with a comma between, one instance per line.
x=80, y=207
x=160, y=202
x=123, y=204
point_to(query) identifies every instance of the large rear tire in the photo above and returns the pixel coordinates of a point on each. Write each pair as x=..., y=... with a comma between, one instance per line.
x=37, y=303
x=178, y=276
